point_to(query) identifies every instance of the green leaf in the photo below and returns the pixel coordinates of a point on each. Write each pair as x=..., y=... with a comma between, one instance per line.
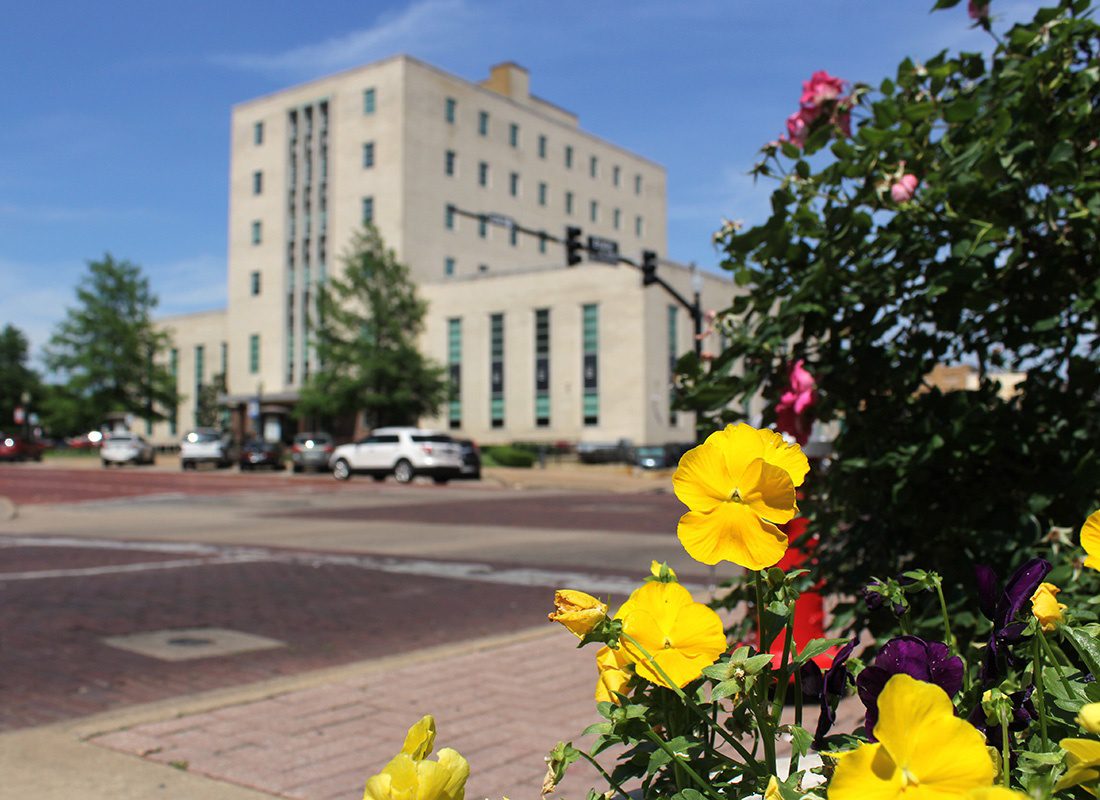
x=800, y=739
x=961, y=110
x=726, y=689
x=1086, y=645
x=816, y=647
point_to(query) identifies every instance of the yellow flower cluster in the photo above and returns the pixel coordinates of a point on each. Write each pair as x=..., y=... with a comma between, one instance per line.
x=411, y=776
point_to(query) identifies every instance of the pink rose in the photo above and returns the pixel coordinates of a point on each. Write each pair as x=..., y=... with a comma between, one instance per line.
x=820, y=88
x=706, y=355
x=798, y=125
x=978, y=10
x=903, y=189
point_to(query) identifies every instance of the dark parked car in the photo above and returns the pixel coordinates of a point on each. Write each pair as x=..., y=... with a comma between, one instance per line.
x=651, y=457
x=311, y=451
x=471, y=459
x=257, y=453
x=16, y=448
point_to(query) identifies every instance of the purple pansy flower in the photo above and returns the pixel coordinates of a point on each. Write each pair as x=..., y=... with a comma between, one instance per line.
x=930, y=662
x=1023, y=714
x=827, y=689
x=1002, y=607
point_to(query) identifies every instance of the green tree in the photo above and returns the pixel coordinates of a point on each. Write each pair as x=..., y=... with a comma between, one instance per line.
x=368, y=322
x=107, y=348
x=959, y=223
x=16, y=377
x=209, y=411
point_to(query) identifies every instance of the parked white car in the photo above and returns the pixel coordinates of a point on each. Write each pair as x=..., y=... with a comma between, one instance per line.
x=401, y=452
x=206, y=446
x=126, y=448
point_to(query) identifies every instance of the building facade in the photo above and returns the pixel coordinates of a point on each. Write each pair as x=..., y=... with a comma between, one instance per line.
x=535, y=350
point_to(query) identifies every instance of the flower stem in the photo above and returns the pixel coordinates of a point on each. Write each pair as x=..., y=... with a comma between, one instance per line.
x=758, y=583
x=1037, y=676
x=1054, y=662
x=610, y=781
x=797, y=715
x=736, y=745
x=1006, y=756
x=784, y=678
x=702, y=784
x=948, y=637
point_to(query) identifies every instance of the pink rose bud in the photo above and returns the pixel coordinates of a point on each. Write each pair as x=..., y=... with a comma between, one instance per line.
x=978, y=10
x=820, y=88
x=798, y=125
x=904, y=188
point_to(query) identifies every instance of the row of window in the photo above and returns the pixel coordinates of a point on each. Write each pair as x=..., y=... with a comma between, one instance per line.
x=589, y=366
x=200, y=371
x=450, y=221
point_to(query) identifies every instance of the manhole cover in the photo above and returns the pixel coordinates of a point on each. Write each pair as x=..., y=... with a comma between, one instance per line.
x=188, y=643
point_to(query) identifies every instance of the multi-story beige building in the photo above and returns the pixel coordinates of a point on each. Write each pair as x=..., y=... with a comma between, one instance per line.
x=536, y=350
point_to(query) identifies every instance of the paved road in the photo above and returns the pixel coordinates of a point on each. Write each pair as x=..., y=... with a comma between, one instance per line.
x=335, y=573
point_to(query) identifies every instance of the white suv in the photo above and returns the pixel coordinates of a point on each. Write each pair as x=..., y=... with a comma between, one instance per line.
x=125, y=448
x=206, y=445
x=401, y=452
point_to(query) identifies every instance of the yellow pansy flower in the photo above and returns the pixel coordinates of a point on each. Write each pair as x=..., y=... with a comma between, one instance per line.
x=420, y=739
x=995, y=793
x=411, y=776
x=738, y=484
x=772, y=792
x=614, y=677
x=923, y=749
x=1089, y=717
x=1046, y=608
x=1090, y=540
x=1083, y=760
x=577, y=611
x=681, y=636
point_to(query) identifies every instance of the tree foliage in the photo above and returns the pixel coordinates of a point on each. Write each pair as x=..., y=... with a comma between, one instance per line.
x=209, y=407
x=989, y=257
x=369, y=318
x=16, y=376
x=106, y=350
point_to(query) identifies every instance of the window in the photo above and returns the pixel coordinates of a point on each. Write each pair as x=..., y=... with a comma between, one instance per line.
x=616, y=174
x=568, y=157
x=637, y=184
x=483, y=123
x=254, y=354
x=542, y=194
x=258, y=133
x=448, y=266
x=593, y=211
x=496, y=370
x=638, y=226
x=542, y=243
x=368, y=101
x=482, y=173
x=513, y=236
x=568, y=202
x=368, y=209
x=257, y=232
x=449, y=110
x=513, y=184
x=173, y=367
x=590, y=372
x=483, y=227
x=593, y=167
x=454, y=372
x=368, y=155
x=673, y=356
x=449, y=218
x=258, y=182
x=200, y=368
x=513, y=135
x=255, y=283
x=542, y=147
x=482, y=267
x=542, y=367
x=616, y=218
x=449, y=163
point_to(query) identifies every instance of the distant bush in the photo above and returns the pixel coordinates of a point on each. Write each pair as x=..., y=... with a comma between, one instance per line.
x=507, y=455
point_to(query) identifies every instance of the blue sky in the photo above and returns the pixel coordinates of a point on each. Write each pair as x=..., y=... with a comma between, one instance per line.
x=116, y=129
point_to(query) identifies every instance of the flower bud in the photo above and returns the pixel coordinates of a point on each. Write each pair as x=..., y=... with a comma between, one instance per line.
x=577, y=611
x=1089, y=717
x=903, y=189
x=1046, y=608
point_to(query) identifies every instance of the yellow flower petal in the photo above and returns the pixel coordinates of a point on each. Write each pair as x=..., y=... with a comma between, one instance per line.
x=1083, y=759
x=866, y=773
x=772, y=792
x=1090, y=540
x=1046, y=608
x=577, y=611
x=918, y=727
x=420, y=739
x=768, y=491
x=731, y=532
x=788, y=457
x=995, y=793
x=1089, y=717
x=703, y=480
x=613, y=675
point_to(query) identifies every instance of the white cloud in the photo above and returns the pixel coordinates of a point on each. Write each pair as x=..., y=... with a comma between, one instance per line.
x=420, y=28
x=191, y=284
x=35, y=298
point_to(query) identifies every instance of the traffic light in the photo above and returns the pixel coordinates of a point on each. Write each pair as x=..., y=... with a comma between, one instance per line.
x=649, y=267
x=573, y=246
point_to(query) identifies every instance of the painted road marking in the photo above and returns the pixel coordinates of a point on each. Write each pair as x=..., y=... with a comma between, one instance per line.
x=427, y=568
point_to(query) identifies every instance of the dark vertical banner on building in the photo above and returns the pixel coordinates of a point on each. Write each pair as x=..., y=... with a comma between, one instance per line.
x=496, y=370
x=590, y=369
x=454, y=372
x=542, y=367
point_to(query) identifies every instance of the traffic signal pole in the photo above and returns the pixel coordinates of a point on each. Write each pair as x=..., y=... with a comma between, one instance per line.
x=574, y=246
